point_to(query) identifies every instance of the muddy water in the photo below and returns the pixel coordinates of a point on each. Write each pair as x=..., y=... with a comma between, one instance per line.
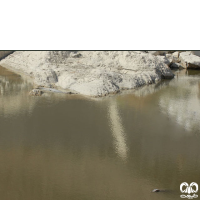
x=59, y=147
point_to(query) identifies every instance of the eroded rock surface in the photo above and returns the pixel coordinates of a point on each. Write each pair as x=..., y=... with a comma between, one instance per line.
x=93, y=73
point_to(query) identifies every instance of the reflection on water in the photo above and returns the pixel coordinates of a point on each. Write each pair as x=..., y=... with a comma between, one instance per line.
x=68, y=147
x=117, y=130
x=181, y=101
x=13, y=93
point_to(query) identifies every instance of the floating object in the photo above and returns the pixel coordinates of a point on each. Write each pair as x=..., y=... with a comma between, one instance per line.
x=155, y=190
x=35, y=92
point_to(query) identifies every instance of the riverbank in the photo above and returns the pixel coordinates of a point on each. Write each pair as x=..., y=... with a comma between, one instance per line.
x=92, y=73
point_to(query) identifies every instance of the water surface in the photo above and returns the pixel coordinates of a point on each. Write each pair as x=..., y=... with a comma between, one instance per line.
x=58, y=147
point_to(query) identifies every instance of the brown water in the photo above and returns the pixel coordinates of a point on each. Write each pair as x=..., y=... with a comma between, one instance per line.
x=59, y=147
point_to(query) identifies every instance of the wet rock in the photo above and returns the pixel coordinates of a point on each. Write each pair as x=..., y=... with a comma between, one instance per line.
x=165, y=73
x=35, y=92
x=189, y=60
x=176, y=65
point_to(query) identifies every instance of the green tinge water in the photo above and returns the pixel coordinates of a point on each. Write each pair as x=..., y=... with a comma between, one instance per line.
x=58, y=147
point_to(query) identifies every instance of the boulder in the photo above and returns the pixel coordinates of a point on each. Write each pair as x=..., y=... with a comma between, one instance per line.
x=92, y=73
x=189, y=60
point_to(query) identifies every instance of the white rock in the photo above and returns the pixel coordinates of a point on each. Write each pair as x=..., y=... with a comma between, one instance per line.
x=189, y=60
x=93, y=73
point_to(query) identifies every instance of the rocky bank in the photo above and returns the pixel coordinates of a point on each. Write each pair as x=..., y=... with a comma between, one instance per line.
x=186, y=59
x=92, y=73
